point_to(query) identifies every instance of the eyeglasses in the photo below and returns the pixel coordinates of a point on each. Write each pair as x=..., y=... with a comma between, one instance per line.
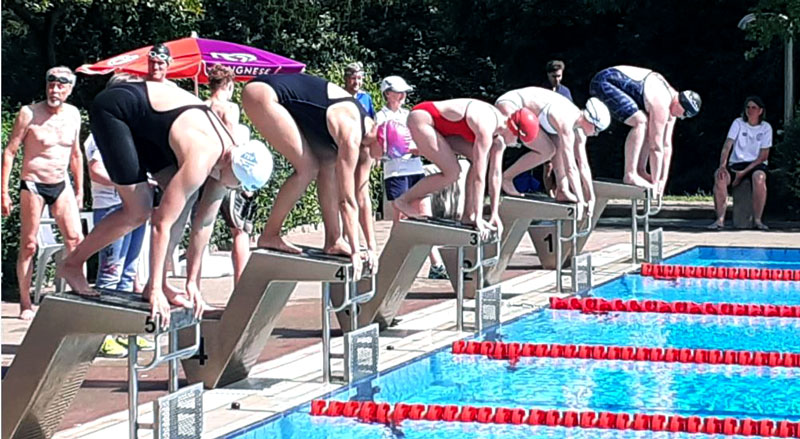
x=160, y=56
x=60, y=79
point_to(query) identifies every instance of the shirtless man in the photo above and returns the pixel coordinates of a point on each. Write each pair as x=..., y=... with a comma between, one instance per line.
x=644, y=100
x=476, y=130
x=49, y=130
x=565, y=129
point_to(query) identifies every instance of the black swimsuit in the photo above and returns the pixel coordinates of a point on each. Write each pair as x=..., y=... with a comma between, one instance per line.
x=306, y=98
x=132, y=137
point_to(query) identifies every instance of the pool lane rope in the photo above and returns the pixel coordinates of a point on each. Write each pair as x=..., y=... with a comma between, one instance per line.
x=385, y=413
x=666, y=271
x=596, y=305
x=512, y=352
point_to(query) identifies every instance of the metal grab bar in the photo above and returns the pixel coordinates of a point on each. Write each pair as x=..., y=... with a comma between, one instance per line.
x=159, y=357
x=579, y=234
x=482, y=262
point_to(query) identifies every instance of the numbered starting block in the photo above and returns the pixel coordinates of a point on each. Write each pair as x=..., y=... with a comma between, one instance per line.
x=59, y=347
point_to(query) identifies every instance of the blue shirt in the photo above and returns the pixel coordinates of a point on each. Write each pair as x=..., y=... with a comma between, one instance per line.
x=366, y=102
x=562, y=90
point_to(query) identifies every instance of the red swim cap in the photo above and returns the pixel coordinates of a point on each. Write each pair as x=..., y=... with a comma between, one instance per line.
x=524, y=124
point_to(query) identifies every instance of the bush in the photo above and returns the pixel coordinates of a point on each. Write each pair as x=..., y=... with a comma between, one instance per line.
x=784, y=191
x=10, y=225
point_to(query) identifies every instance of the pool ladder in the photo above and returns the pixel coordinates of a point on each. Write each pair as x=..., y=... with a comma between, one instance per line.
x=487, y=299
x=653, y=240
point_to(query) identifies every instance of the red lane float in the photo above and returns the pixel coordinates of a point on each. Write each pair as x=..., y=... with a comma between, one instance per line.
x=385, y=413
x=514, y=351
x=593, y=305
x=666, y=271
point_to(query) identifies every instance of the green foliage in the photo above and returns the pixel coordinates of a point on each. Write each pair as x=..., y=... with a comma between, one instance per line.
x=10, y=225
x=784, y=190
x=774, y=20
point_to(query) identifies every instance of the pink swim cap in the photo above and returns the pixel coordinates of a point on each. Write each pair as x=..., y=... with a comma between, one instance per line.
x=394, y=138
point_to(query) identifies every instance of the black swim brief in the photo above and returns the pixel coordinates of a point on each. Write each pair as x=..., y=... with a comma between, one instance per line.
x=48, y=191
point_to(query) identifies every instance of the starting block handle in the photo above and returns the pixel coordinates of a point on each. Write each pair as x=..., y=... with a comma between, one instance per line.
x=160, y=357
x=484, y=262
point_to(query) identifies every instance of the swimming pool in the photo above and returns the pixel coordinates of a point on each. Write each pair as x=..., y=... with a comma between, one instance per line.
x=577, y=384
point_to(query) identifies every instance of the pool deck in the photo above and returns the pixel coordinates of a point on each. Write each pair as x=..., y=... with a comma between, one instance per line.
x=289, y=370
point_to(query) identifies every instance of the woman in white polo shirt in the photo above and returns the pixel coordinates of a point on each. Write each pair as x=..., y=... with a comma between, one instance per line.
x=400, y=174
x=744, y=154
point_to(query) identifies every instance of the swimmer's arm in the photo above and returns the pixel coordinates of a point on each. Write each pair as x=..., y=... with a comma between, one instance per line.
x=566, y=148
x=496, y=173
x=18, y=133
x=190, y=176
x=346, y=162
x=583, y=167
x=76, y=161
x=365, y=202
x=476, y=177
x=203, y=227
x=656, y=127
x=667, y=150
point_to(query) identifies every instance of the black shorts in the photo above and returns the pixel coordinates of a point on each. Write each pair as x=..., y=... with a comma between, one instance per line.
x=735, y=168
x=397, y=186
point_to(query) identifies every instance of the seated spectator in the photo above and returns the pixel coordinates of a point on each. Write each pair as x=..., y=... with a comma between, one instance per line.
x=744, y=154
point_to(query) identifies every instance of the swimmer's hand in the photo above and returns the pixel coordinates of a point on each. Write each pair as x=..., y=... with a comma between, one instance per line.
x=496, y=224
x=159, y=305
x=371, y=260
x=357, y=262
x=195, y=298
x=7, y=205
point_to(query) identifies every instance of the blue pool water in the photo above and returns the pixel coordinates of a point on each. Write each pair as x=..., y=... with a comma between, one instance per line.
x=574, y=384
x=739, y=257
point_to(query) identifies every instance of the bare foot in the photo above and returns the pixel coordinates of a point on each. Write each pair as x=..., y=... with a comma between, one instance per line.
x=405, y=208
x=566, y=196
x=76, y=280
x=716, y=225
x=760, y=226
x=278, y=243
x=339, y=248
x=637, y=181
x=509, y=188
x=27, y=314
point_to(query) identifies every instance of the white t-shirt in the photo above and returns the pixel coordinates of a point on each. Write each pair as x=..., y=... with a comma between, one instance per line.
x=410, y=165
x=103, y=196
x=748, y=140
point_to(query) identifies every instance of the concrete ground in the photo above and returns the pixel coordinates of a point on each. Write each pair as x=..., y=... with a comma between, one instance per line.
x=298, y=329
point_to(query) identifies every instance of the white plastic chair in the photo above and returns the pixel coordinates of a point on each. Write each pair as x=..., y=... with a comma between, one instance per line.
x=49, y=247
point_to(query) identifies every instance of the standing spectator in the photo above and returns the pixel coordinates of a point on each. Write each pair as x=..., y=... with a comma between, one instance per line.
x=555, y=73
x=49, y=131
x=220, y=80
x=400, y=174
x=353, y=81
x=744, y=154
x=117, y=263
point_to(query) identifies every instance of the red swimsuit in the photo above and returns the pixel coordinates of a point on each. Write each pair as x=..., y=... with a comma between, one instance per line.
x=447, y=127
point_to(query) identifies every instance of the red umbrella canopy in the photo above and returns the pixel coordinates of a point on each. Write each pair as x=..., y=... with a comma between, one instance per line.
x=193, y=56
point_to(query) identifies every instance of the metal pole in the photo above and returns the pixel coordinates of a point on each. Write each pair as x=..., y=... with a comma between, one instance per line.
x=574, y=276
x=326, y=331
x=353, y=306
x=133, y=389
x=646, y=232
x=478, y=295
x=634, y=231
x=788, y=74
x=557, y=239
x=173, y=364
x=460, y=290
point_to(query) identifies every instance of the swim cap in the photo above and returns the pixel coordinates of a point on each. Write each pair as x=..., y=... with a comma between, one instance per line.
x=691, y=103
x=597, y=114
x=395, y=83
x=160, y=51
x=252, y=164
x=394, y=138
x=524, y=124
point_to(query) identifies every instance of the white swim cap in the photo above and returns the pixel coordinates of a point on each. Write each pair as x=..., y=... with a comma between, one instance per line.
x=252, y=164
x=241, y=133
x=395, y=83
x=597, y=114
